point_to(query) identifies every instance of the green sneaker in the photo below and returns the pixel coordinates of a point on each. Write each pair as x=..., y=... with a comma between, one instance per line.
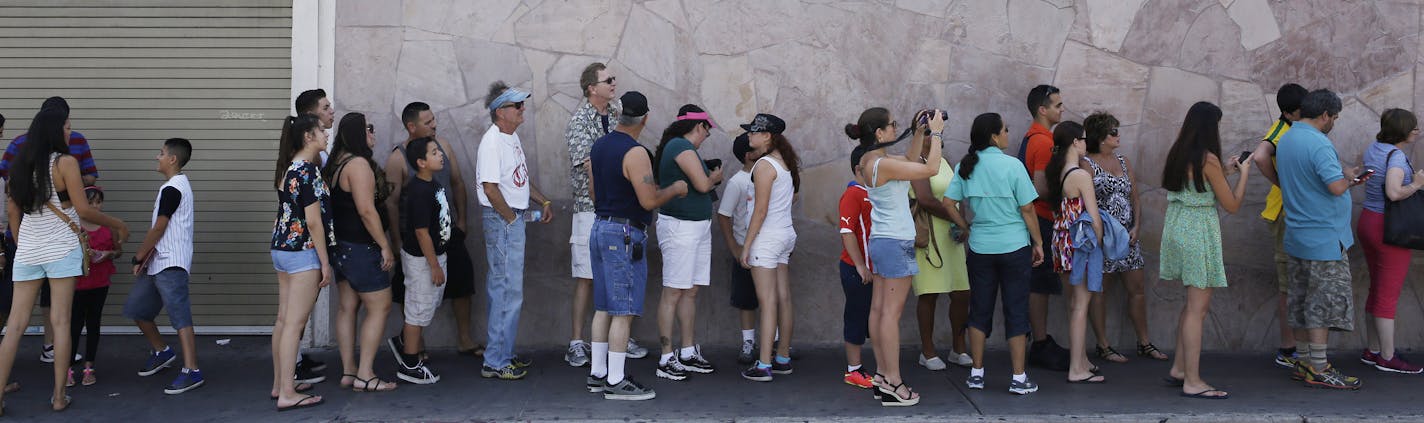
x=504, y=373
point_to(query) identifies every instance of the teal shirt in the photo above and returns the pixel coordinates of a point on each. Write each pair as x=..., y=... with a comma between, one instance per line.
x=1317, y=221
x=696, y=205
x=995, y=190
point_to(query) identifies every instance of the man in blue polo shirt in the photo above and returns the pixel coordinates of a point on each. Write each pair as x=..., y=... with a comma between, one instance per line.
x=1317, y=211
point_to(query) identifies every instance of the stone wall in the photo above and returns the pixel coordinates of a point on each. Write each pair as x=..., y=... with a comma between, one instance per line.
x=818, y=64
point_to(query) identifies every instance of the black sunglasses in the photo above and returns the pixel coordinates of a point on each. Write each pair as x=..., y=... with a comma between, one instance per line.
x=1112, y=132
x=371, y=128
x=516, y=105
x=610, y=80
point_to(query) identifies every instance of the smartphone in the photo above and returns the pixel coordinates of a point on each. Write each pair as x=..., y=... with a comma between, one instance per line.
x=1242, y=158
x=712, y=164
x=1365, y=176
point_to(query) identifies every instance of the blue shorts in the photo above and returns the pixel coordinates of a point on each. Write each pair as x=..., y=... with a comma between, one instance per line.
x=999, y=278
x=292, y=262
x=893, y=258
x=70, y=266
x=619, y=282
x=360, y=266
x=152, y=293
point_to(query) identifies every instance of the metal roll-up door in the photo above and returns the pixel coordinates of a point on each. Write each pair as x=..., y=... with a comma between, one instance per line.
x=136, y=72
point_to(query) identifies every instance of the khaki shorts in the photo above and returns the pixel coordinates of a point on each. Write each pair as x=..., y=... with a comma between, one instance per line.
x=1278, y=230
x=1320, y=294
x=422, y=296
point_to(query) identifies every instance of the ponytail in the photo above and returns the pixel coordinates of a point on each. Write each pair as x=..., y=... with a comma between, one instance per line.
x=294, y=130
x=1064, y=135
x=981, y=136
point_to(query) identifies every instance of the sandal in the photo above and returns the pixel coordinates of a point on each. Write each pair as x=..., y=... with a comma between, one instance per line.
x=303, y=403
x=301, y=387
x=1107, y=353
x=875, y=385
x=68, y=401
x=1151, y=351
x=892, y=397
x=381, y=385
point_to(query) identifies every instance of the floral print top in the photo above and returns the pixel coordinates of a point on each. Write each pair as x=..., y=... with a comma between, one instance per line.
x=300, y=188
x=585, y=127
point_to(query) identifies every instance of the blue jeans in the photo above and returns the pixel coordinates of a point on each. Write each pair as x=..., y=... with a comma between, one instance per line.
x=504, y=249
x=619, y=283
x=152, y=293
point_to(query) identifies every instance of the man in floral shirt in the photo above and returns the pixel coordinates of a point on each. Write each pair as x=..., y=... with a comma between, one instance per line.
x=592, y=120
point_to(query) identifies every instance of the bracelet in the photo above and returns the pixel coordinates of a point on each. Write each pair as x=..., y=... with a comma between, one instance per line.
x=546, y=203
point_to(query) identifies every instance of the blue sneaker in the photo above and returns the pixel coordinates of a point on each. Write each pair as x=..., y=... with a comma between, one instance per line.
x=757, y=374
x=186, y=381
x=158, y=361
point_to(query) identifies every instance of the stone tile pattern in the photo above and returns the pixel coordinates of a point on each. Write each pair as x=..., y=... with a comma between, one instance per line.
x=818, y=64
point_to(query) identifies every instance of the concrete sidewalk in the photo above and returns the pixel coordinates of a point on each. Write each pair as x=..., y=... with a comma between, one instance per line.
x=239, y=375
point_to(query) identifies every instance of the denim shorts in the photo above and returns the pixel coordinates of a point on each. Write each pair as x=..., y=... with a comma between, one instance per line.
x=893, y=258
x=292, y=262
x=152, y=293
x=70, y=266
x=359, y=265
x=619, y=282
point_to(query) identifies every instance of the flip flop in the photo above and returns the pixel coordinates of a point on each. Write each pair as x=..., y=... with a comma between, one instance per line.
x=1089, y=380
x=68, y=401
x=303, y=404
x=367, y=383
x=301, y=387
x=1203, y=394
x=1173, y=382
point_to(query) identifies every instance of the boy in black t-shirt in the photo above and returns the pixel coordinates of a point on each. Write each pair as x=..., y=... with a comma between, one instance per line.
x=425, y=230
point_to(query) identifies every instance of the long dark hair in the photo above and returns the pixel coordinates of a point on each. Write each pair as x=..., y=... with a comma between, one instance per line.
x=875, y=119
x=294, y=131
x=1200, y=135
x=1064, y=134
x=678, y=128
x=780, y=144
x=30, y=184
x=981, y=136
x=351, y=139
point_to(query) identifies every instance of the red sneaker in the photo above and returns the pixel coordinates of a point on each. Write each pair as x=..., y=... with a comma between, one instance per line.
x=1369, y=357
x=1397, y=365
x=859, y=378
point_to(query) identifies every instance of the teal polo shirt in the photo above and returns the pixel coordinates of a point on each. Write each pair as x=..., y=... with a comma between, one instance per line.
x=995, y=190
x=1317, y=221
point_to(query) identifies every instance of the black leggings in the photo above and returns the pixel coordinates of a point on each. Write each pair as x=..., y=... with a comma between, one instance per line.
x=87, y=312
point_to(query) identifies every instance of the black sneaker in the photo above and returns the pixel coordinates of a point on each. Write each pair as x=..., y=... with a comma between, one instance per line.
x=520, y=362
x=757, y=374
x=311, y=363
x=306, y=375
x=1047, y=354
x=504, y=373
x=696, y=363
x=420, y=374
x=672, y=370
x=597, y=384
x=779, y=368
x=748, y=354
x=629, y=390
x=187, y=380
x=397, y=346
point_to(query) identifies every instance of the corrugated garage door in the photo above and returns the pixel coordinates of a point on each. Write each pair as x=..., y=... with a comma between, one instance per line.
x=136, y=72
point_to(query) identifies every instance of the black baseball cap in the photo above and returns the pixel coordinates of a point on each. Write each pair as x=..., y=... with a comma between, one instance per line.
x=764, y=122
x=634, y=104
x=741, y=146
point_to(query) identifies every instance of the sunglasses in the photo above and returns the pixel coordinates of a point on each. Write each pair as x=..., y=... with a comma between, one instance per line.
x=371, y=128
x=1113, y=132
x=610, y=80
x=1080, y=138
x=514, y=105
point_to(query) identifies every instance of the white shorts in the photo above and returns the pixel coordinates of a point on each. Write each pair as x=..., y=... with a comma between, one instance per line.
x=422, y=297
x=687, y=251
x=582, y=266
x=771, y=249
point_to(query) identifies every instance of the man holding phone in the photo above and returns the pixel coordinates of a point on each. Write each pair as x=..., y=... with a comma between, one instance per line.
x=1317, y=203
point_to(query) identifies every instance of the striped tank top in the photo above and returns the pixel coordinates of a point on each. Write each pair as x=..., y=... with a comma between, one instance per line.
x=44, y=237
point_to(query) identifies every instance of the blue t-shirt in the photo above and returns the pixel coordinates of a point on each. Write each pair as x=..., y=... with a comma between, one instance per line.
x=1374, y=159
x=1317, y=221
x=613, y=194
x=995, y=190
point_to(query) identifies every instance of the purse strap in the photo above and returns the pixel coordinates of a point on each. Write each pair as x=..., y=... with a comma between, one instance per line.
x=72, y=226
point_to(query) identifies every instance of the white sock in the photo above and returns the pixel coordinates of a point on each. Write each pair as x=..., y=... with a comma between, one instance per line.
x=665, y=359
x=977, y=372
x=575, y=343
x=777, y=338
x=615, y=367
x=1021, y=377
x=600, y=360
x=748, y=335
x=852, y=368
x=687, y=352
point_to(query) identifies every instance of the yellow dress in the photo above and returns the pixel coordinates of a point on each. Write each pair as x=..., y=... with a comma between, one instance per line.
x=945, y=272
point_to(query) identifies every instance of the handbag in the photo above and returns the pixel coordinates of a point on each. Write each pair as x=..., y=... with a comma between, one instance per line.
x=79, y=232
x=924, y=229
x=1404, y=219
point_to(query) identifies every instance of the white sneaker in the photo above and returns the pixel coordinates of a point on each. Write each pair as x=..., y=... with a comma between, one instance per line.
x=934, y=364
x=961, y=359
x=635, y=351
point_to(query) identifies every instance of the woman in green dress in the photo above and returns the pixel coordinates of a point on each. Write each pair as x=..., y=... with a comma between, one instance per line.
x=942, y=267
x=1195, y=180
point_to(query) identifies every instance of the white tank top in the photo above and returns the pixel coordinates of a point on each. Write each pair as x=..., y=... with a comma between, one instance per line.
x=783, y=191
x=44, y=237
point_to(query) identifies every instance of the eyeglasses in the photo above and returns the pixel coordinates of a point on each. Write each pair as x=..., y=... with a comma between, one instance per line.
x=371, y=128
x=893, y=124
x=514, y=105
x=1112, y=132
x=1080, y=138
x=610, y=80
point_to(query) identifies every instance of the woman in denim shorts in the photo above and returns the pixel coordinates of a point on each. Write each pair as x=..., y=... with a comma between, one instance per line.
x=301, y=237
x=892, y=233
x=362, y=256
x=43, y=179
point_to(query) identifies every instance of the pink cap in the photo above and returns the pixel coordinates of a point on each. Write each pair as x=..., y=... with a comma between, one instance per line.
x=698, y=116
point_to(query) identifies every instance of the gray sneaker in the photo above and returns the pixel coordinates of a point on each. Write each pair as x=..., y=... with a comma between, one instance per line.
x=748, y=354
x=635, y=351
x=1023, y=388
x=597, y=384
x=577, y=355
x=629, y=390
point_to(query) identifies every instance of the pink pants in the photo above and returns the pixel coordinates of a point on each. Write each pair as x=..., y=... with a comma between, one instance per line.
x=1388, y=265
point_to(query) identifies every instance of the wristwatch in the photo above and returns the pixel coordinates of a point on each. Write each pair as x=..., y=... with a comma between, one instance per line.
x=135, y=260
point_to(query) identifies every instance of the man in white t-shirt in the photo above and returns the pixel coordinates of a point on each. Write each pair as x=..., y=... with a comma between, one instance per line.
x=734, y=214
x=505, y=193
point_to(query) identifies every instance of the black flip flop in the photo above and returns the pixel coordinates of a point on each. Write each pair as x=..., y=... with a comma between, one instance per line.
x=1203, y=394
x=1173, y=382
x=1089, y=380
x=303, y=404
x=299, y=389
